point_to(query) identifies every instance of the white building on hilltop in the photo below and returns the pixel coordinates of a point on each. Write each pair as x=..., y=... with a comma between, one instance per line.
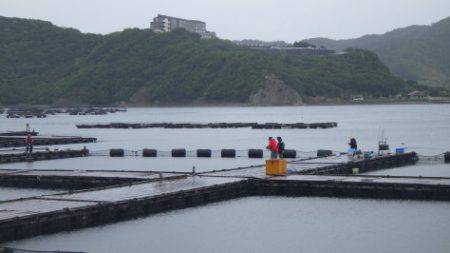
x=163, y=23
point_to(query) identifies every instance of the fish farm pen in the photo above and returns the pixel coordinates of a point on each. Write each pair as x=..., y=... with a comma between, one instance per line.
x=41, y=155
x=19, y=141
x=99, y=197
x=252, y=125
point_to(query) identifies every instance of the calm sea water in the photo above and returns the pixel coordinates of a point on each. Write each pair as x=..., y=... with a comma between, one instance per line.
x=260, y=224
x=271, y=225
x=423, y=128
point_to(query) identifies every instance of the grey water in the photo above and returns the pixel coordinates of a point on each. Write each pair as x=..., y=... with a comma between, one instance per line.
x=260, y=224
x=266, y=224
x=10, y=193
x=422, y=128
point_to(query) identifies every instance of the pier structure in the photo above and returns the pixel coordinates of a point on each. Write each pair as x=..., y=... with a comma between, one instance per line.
x=19, y=141
x=253, y=125
x=41, y=155
x=100, y=197
x=79, y=179
x=18, y=133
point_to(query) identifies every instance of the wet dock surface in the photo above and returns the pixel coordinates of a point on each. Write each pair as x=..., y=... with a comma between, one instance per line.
x=35, y=206
x=77, y=179
x=138, y=175
x=144, y=190
x=61, y=201
x=54, y=202
x=110, y=196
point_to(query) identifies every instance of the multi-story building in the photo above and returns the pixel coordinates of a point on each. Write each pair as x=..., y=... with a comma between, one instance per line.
x=163, y=23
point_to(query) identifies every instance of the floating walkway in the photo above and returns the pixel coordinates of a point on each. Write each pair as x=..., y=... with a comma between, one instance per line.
x=78, y=179
x=352, y=166
x=39, y=156
x=252, y=125
x=41, y=112
x=18, y=133
x=19, y=141
x=111, y=196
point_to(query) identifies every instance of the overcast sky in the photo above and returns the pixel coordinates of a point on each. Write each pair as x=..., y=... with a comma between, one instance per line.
x=287, y=20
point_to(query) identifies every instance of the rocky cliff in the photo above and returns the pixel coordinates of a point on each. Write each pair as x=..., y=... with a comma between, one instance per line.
x=275, y=92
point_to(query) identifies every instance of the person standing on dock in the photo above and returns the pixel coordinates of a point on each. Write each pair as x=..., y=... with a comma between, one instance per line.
x=29, y=142
x=280, y=147
x=353, y=145
x=273, y=147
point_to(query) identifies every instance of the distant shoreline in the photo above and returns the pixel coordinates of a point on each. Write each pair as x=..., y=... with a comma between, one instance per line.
x=234, y=104
x=300, y=105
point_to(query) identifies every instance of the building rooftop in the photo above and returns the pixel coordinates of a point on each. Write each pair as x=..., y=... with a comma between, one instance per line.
x=416, y=93
x=189, y=20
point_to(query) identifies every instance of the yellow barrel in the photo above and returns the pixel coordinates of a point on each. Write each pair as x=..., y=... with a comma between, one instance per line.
x=276, y=167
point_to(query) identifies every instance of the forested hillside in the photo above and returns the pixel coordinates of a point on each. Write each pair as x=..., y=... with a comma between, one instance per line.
x=41, y=64
x=419, y=53
x=34, y=55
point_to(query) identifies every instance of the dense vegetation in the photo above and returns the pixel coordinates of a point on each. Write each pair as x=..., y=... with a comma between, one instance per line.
x=34, y=55
x=419, y=53
x=303, y=44
x=42, y=63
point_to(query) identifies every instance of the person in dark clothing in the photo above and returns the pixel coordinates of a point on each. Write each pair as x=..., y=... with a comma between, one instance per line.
x=353, y=144
x=280, y=146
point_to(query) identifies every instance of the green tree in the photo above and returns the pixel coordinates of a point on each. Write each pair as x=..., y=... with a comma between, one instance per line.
x=303, y=44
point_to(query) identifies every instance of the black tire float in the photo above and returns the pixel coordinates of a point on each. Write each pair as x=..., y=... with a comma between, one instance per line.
x=324, y=153
x=116, y=152
x=255, y=153
x=228, y=153
x=204, y=152
x=146, y=152
x=289, y=153
x=179, y=152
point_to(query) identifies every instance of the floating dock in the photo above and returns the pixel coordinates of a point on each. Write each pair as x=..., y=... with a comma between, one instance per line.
x=78, y=179
x=351, y=166
x=113, y=196
x=252, y=125
x=40, y=156
x=19, y=141
x=18, y=133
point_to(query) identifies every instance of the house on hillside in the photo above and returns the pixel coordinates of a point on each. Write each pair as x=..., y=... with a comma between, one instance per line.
x=358, y=99
x=417, y=95
x=163, y=23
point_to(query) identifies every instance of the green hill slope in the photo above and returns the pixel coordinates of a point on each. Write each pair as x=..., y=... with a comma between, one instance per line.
x=419, y=53
x=47, y=64
x=34, y=55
